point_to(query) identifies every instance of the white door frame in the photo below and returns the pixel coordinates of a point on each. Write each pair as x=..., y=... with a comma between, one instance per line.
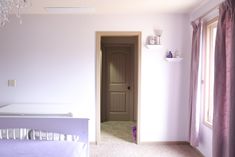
x=98, y=77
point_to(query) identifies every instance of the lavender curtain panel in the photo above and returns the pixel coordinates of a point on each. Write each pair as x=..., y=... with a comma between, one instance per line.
x=224, y=94
x=194, y=119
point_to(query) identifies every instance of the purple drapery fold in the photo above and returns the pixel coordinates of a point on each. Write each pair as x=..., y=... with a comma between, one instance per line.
x=224, y=85
x=194, y=119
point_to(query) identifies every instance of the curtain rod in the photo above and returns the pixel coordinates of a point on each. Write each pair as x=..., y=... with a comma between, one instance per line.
x=208, y=12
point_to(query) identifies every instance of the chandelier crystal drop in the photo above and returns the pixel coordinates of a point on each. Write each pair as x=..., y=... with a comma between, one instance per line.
x=7, y=7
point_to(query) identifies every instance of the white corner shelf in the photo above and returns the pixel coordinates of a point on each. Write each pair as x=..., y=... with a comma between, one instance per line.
x=152, y=46
x=174, y=60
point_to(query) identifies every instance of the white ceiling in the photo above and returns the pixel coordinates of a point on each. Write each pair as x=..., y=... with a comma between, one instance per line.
x=114, y=6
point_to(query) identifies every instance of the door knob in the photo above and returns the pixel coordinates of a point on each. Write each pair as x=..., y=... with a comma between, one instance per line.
x=129, y=87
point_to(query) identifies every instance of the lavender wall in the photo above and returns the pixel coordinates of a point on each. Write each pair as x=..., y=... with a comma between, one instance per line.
x=52, y=58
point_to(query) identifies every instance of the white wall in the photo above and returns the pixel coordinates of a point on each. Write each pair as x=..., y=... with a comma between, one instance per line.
x=52, y=58
x=205, y=133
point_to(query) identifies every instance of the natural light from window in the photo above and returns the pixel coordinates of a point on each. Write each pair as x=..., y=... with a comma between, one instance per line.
x=209, y=72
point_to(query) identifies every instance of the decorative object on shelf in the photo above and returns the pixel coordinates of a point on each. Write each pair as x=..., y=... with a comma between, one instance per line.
x=8, y=6
x=154, y=39
x=158, y=34
x=176, y=54
x=173, y=57
x=169, y=55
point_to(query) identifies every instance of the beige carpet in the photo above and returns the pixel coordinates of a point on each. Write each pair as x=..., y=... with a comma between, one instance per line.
x=117, y=132
x=117, y=141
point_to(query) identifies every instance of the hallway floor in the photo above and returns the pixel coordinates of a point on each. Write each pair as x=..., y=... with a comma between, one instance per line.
x=117, y=132
x=117, y=141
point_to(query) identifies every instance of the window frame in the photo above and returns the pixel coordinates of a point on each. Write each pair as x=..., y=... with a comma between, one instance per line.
x=206, y=70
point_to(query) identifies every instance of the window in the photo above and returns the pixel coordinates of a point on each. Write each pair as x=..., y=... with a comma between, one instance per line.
x=208, y=68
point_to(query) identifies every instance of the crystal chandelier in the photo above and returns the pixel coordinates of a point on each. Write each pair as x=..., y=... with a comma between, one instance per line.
x=9, y=6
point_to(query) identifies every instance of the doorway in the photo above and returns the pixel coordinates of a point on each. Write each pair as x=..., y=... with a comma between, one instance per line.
x=117, y=76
